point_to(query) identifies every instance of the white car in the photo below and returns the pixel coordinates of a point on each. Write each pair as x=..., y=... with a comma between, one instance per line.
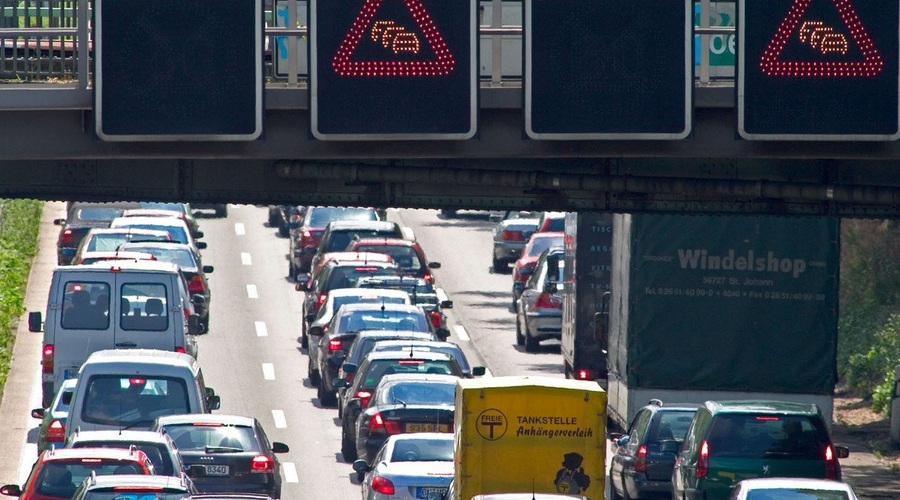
x=409, y=466
x=791, y=489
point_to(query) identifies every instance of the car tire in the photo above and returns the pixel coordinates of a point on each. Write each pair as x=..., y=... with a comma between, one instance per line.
x=615, y=493
x=348, y=448
x=497, y=266
x=314, y=377
x=292, y=270
x=340, y=408
x=520, y=339
x=326, y=398
x=531, y=344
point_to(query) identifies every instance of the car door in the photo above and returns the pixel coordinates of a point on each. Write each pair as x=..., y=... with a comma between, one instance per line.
x=148, y=312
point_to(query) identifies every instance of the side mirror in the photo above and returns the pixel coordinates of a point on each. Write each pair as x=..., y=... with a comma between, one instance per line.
x=841, y=451
x=279, y=447
x=623, y=440
x=35, y=321
x=434, y=265
x=58, y=222
x=668, y=446
x=442, y=334
x=11, y=490
x=339, y=383
x=201, y=245
x=316, y=331
x=446, y=304
x=208, y=269
x=38, y=413
x=198, y=234
x=478, y=371
x=361, y=466
x=553, y=266
x=194, y=326
x=214, y=402
x=198, y=300
x=349, y=368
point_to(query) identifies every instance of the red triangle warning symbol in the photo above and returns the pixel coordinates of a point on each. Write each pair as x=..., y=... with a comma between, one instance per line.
x=396, y=39
x=827, y=40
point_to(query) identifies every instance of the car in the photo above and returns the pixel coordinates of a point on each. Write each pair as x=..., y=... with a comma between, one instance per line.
x=408, y=467
x=219, y=209
x=109, y=239
x=103, y=256
x=331, y=346
x=57, y=472
x=188, y=261
x=744, y=439
x=177, y=228
x=405, y=403
x=158, y=447
x=284, y=217
x=408, y=255
x=363, y=344
x=226, y=453
x=52, y=431
x=363, y=257
x=81, y=217
x=306, y=235
x=333, y=275
x=524, y=265
x=370, y=372
x=343, y=296
x=539, y=307
x=172, y=210
x=421, y=292
x=429, y=345
x=645, y=455
x=184, y=210
x=134, y=487
x=340, y=234
x=772, y=488
x=510, y=235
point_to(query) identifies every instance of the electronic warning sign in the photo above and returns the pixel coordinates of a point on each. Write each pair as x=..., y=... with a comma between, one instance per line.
x=393, y=69
x=611, y=69
x=819, y=70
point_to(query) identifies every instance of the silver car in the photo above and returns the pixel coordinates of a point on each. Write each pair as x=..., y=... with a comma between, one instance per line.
x=416, y=466
x=510, y=236
x=539, y=308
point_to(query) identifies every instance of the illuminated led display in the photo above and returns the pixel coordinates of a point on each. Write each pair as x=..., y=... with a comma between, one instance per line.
x=826, y=39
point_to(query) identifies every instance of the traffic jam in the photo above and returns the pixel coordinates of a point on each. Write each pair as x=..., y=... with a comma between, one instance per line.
x=335, y=364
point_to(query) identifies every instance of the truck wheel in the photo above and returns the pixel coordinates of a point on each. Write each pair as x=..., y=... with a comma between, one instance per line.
x=520, y=339
x=314, y=377
x=348, y=448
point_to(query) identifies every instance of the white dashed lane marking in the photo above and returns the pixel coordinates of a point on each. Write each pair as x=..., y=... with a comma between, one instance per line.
x=280, y=421
x=289, y=471
x=239, y=229
x=268, y=371
x=261, y=330
x=252, y=293
x=245, y=259
x=461, y=333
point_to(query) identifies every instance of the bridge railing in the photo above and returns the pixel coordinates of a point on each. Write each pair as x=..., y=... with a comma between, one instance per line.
x=48, y=42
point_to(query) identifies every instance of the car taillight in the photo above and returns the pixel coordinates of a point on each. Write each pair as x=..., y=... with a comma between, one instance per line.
x=436, y=319
x=703, y=460
x=334, y=346
x=512, y=236
x=640, y=461
x=363, y=397
x=56, y=432
x=379, y=424
x=180, y=349
x=47, y=358
x=67, y=237
x=262, y=463
x=546, y=301
x=321, y=299
x=306, y=235
x=831, y=466
x=428, y=277
x=583, y=374
x=196, y=284
x=383, y=485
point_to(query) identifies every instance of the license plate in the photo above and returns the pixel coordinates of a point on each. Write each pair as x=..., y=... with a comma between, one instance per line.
x=216, y=470
x=430, y=492
x=427, y=428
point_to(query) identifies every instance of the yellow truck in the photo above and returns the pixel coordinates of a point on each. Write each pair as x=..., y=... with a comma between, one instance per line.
x=529, y=434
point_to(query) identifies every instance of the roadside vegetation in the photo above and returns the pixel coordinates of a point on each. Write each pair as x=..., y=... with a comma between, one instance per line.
x=19, y=225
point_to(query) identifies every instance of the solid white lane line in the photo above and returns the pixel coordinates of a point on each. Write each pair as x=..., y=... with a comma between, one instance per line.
x=261, y=330
x=268, y=371
x=461, y=333
x=441, y=294
x=252, y=293
x=245, y=259
x=280, y=421
x=239, y=229
x=289, y=471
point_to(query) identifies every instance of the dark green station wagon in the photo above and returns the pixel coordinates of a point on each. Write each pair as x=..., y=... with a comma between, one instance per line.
x=730, y=441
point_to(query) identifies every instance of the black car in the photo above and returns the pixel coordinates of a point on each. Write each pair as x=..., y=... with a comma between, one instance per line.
x=405, y=403
x=421, y=292
x=340, y=233
x=81, y=217
x=370, y=372
x=225, y=453
x=332, y=346
x=645, y=455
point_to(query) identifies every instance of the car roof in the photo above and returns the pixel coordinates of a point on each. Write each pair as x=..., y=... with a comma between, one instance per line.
x=358, y=263
x=155, y=221
x=385, y=242
x=157, y=244
x=400, y=280
x=374, y=306
x=340, y=225
x=417, y=377
x=126, y=230
x=116, y=255
x=397, y=355
x=206, y=418
x=357, y=257
x=54, y=454
x=548, y=234
x=367, y=292
x=795, y=482
x=427, y=344
x=125, y=265
x=129, y=435
x=139, y=358
x=419, y=436
x=762, y=406
x=391, y=334
x=128, y=480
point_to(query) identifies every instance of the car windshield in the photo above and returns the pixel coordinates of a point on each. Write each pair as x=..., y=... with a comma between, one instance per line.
x=156, y=452
x=538, y=245
x=382, y=320
x=59, y=478
x=798, y=493
x=405, y=257
x=130, y=401
x=422, y=450
x=213, y=438
x=418, y=393
x=788, y=437
x=321, y=216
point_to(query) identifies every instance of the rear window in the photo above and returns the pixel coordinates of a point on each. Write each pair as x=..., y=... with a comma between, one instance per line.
x=59, y=478
x=111, y=242
x=759, y=436
x=179, y=256
x=381, y=367
x=671, y=425
x=555, y=224
x=321, y=216
x=178, y=234
x=130, y=401
x=798, y=493
x=99, y=213
x=340, y=240
x=156, y=452
x=143, y=307
x=418, y=393
x=405, y=257
x=356, y=299
x=538, y=245
x=122, y=493
x=382, y=320
x=213, y=438
x=85, y=306
x=346, y=276
x=422, y=450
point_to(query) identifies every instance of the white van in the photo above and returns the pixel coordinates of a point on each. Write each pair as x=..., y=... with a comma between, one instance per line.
x=112, y=305
x=122, y=389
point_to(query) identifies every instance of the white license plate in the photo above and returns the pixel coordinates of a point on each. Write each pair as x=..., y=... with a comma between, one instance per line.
x=216, y=470
x=430, y=492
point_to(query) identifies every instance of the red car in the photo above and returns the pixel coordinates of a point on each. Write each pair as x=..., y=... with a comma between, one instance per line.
x=524, y=267
x=305, y=237
x=57, y=473
x=407, y=254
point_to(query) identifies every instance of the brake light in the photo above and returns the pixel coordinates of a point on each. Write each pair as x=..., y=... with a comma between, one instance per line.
x=379, y=424
x=546, y=301
x=137, y=488
x=196, y=284
x=383, y=485
x=306, y=234
x=321, y=299
x=831, y=466
x=47, y=358
x=207, y=424
x=436, y=319
x=428, y=277
x=703, y=460
x=67, y=237
x=512, y=236
x=262, y=464
x=640, y=462
x=363, y=397
x=411, y=362
x=56, y=433
x=180, y=349
x=367, y=269
x=583, y=374
x=136, y=381
x=334, y=346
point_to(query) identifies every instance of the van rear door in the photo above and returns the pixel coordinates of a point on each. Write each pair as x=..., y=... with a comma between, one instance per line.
x=146, y=315
x=84, y=322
